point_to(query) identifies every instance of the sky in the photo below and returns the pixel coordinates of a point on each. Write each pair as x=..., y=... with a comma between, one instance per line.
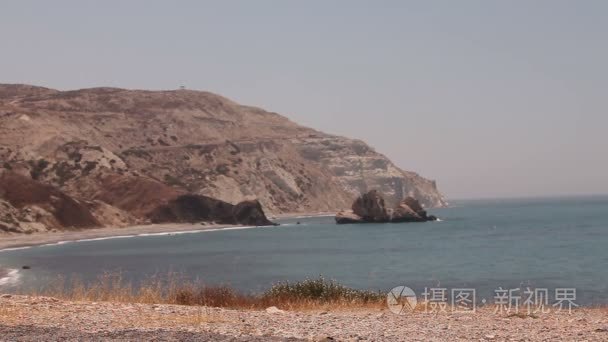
x=489, y=98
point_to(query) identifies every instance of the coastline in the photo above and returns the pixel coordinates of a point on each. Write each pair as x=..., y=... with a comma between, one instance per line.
x=17, y=241
x=14, y=241
x=301, y=215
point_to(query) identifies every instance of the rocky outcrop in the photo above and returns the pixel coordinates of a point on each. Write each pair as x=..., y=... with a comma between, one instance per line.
x=198, y=208
x=251, y=213
x=347, y=216
x=410, y=210
x=404, y=213
x=370, y=208
x=136, y=150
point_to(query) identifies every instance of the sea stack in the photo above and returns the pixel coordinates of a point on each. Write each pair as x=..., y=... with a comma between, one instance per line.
x=370, y=208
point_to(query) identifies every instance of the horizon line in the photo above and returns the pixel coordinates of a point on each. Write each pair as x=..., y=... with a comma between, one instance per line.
x=498, y=197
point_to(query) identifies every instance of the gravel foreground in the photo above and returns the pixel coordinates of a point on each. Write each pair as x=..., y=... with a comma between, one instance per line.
x=24, y=318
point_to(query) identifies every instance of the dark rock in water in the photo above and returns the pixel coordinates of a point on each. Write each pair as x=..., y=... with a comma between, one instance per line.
x=251, y=213
x=370, y=207
x=197, y=208
x=347, y=216
x=413, y=204
x=404, y=213
x=410, y=210
x=26, y=267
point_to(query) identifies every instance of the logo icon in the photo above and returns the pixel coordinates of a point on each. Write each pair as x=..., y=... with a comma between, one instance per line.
x=401, y=300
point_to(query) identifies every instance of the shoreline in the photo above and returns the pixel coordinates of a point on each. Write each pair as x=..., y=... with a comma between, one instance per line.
x=301, y=215
x=17, y=241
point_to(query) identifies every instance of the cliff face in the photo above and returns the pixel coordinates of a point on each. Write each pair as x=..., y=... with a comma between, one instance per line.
x=133, y=150
x=359, y=169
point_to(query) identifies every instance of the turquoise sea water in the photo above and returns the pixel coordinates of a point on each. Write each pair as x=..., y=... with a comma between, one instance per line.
x=481, y=244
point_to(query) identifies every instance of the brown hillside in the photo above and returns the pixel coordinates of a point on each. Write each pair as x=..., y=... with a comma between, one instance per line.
x=137, y=149
x=46, y=203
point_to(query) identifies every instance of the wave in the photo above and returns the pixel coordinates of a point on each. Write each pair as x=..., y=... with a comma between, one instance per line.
x=194, y=231
x=288, y=217
x=14, y=248
x=11, y=278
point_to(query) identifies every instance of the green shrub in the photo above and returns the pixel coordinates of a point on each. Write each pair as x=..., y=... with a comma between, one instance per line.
x=319, y=290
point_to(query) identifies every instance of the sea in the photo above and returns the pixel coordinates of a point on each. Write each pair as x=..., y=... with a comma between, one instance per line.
x=557, y=245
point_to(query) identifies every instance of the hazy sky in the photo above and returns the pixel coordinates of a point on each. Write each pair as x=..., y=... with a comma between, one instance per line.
x=490, y=98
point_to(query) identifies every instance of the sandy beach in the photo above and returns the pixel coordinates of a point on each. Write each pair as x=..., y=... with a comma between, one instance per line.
x=50, y=319
x=302, y=215
x=8, y=241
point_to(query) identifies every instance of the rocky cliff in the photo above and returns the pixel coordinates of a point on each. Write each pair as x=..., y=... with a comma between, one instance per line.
x=131, y=151
x=370, y=207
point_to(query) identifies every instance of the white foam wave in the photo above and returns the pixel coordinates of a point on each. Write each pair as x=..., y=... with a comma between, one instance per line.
x=14, y=248
x=309, y=216
x=137, y=235
x=94, y=239
x=11, y=278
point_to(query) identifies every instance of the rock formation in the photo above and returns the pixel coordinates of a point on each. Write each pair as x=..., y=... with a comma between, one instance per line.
x=370, y=208
x=28, y=206
x=250, y=213
x=410, y=210
x=197, y=208
x=129, y=152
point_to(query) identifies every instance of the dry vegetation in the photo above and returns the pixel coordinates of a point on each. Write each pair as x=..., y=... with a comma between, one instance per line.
x=310, y=294
x=314, y=310
x=36, y=318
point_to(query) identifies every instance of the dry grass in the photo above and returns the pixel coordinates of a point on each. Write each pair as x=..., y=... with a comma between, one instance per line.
x=311, y=294
x=9, y=313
